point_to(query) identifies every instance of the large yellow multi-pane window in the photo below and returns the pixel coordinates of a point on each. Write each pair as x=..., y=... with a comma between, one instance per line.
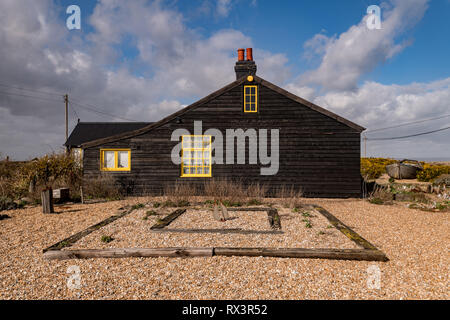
x=250, y=99
x=196, y=156
x=115, y=159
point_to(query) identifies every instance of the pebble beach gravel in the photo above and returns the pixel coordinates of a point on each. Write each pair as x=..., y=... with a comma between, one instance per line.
x=416, y=242
x=133, y=231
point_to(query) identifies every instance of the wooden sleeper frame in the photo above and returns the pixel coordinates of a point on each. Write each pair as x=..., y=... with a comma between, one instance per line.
x=368, y=252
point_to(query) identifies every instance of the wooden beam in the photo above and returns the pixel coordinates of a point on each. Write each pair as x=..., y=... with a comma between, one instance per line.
x=219, y=231
x=127, y=252
x=249, y=209
x=347, y=231
x=67, y=242
x=341, y=254
x=168, y=219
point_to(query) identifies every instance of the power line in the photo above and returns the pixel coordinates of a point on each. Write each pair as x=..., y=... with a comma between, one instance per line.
x=409, y=136
x=101, y=112
x=28, y=96
x=409, y=123
x=31, y=90
x=72, y=107
x=86, y=106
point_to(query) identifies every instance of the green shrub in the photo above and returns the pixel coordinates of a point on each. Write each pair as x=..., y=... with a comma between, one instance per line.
x=7, y=204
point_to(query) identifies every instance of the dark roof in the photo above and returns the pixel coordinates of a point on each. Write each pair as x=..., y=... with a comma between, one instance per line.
x=215, y=94
x=90, y=131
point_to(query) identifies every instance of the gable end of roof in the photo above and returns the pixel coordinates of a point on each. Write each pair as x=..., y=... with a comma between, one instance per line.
x=216, y=94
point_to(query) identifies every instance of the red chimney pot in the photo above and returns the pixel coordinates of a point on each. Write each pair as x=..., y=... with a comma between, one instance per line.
x=249, y=54
x=241, y=55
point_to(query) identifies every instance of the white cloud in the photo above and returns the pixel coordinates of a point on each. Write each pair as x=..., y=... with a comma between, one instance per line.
x=345, y=58
x=173, y=64
x=223, y=7
x=375, y=105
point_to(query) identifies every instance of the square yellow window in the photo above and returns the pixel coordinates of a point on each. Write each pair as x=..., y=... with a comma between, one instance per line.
x=196, y=155
x=250, y=99
x=115, y=159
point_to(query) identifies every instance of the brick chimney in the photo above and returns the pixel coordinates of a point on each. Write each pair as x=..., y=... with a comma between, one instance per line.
x=245, y=67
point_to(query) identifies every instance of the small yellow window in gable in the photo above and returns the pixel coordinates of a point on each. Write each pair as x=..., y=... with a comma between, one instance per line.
x=196, y=156
x=115, y=159
x=250, y=99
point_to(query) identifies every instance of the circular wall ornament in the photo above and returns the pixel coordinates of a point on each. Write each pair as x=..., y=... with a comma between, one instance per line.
x=250, y=78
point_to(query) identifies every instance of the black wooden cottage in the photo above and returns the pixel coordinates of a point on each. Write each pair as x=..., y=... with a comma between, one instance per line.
x=319, y=151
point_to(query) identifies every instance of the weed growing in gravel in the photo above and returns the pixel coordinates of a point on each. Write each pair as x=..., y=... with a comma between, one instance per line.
x=63, y=244
x=376, y=201
x=321, y=233
x=209, y=203
x=228, y=203
x=307, y=223
x=306, y=214
x=148, y=214
x=254, y=202
x=107, y=239
x=156, y=205
x=138, y=206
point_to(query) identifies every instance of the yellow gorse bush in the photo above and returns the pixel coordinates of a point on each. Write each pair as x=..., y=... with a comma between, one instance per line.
x=431, y=172
x=373, y=168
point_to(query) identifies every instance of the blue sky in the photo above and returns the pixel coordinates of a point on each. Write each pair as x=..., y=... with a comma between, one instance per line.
x=142, y=60
x=285, y=27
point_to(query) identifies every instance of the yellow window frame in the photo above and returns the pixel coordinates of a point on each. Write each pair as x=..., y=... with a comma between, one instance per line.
x=116, y=160
x=247, y=100
x=192, y=148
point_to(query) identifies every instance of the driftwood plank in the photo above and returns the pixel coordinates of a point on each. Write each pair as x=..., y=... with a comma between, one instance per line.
x=67, y=242
x=128, y=252
x=341, y=254
x=219, y=231
x=347, y=231
x=168, y=219
x=250, y=209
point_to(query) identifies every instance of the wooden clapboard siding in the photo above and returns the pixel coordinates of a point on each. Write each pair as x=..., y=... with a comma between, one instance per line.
x=319, y=152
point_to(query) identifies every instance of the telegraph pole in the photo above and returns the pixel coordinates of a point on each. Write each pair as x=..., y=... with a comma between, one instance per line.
x=365, y=145
x=66, y=100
